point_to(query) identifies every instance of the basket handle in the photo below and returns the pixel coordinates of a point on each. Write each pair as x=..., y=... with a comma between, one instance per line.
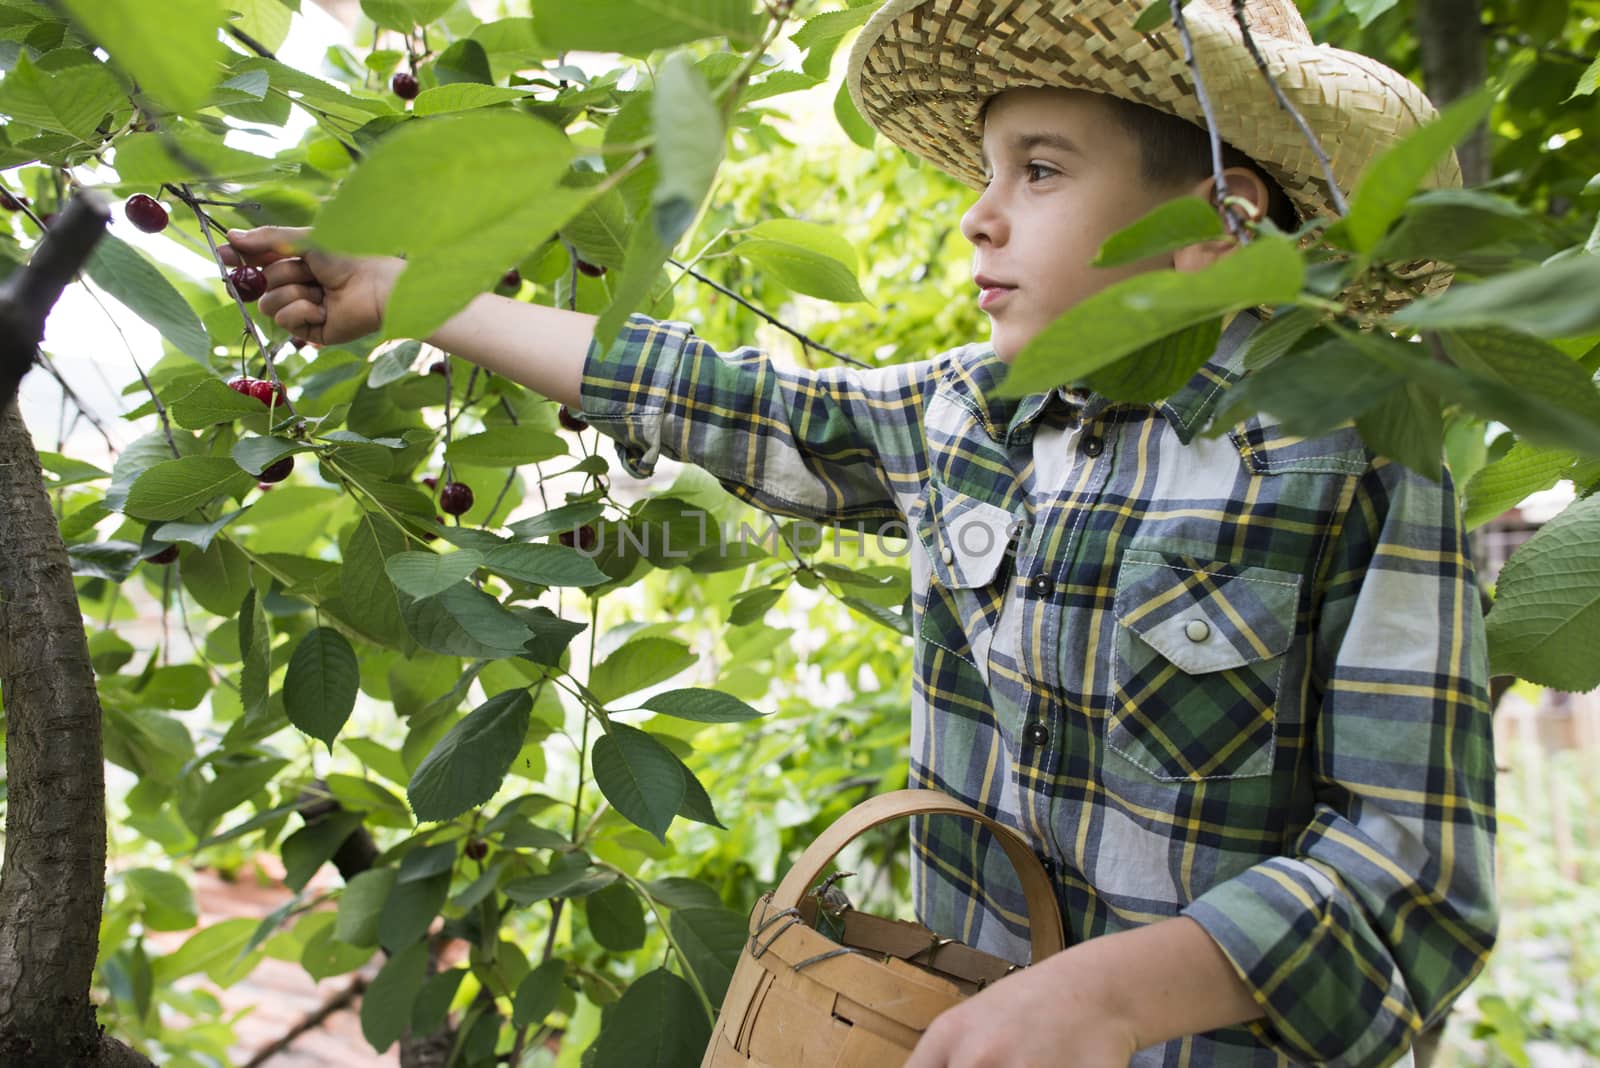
x=1044, y=916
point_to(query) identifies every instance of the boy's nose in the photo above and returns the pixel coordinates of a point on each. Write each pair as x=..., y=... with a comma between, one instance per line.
x=984, y=220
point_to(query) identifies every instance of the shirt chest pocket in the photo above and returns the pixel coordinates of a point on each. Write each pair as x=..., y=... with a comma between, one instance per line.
x=967, y=541
x=1200, y=649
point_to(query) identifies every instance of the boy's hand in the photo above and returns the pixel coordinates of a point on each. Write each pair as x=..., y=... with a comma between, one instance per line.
x=314, y=295
x=1036, y=1018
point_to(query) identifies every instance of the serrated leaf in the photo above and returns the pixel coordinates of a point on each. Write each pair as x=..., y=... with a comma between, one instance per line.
x=125, y=274
x=854, y=126
x=750, y=606
x=186, y=155
x=1545, y=623
x=640, y=663
x=433, y=1001
x=506, y=446
x=1157, y=13
x=640, y=777
x=1547, y=301
x=172, y=58
x=1175, y=224
x=465, y=621
x=319, y=690
x=558, y=520
x=71, y=99
x=211, y=402
x=639, y=27
x=423, y=574
x=711, y=939
x=544, y=565
x=365, y=587
x=803, y=269
x=1387, y=182
x=1161, y=368
x=571, y=881
x=256, y=454
x=538, y=993
x=1523, y=470
x=404, y=15
x=701, y=706
x=689, y=145
x=1122, y=318
x=361, y=904
x=410, y=910
x=386, y=1004
x=1406, y=426
x=314, y=845
x=463, y=96
x=659, y=1023
x=174, y=488
x=472, y=759
x=616, y=918
x=165, y=899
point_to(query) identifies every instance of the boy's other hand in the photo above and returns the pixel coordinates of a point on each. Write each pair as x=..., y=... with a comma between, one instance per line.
x=314, y=295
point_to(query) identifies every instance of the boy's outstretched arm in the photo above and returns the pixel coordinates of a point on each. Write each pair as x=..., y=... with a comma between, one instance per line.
x=330, y=299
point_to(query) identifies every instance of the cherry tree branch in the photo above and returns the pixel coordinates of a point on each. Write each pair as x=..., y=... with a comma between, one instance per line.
x=803, y=339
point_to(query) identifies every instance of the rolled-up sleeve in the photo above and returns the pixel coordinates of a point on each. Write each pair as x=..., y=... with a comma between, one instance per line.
x=835, y=445
x=1382, y=909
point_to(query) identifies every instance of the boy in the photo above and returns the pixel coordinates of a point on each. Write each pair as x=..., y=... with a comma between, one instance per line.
x=1231, y=689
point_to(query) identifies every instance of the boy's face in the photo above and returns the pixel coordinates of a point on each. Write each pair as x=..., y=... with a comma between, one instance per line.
x=1063, y=178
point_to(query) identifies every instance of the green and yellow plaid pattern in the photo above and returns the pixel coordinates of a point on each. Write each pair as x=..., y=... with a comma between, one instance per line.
x=1240, y=678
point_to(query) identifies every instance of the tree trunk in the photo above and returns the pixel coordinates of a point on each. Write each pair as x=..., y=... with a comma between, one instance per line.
x=1455, y=63
x=55, y=852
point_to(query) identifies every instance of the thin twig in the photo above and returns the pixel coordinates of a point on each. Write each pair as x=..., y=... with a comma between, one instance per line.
x=803, y=339
x=68, y=393
x=250, y=42
x=1220, y=192
x=1334, y=192
x=337, y=1003
x=161, y=409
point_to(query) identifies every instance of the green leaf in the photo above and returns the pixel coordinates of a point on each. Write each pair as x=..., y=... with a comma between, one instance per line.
x=616, y=918
x=1548, y=301
x=125, y=274
x=805, y=268
x=256, y=454
x=639, y=27
x=600, y=230
x=463, y=96
x=404, y=15
x=1525, y=469
x=200, y=535
x=1545, y=623
x=361, y=904
x=701, y=706
x=1588, y=82
x=423, y=574
x=365, y=587
x=689, y=145
x=830, y=25
x=697, y=804
x=186, y=155
x=1387, y=182
x=640, y=777
x=576, y=879
x=558, y=520
x=750, y=606
x=1176, y=224
x=646, y=255
x=659, y=1023
x=854, y=126
x=1276, y=337
x=410, y=910
x=314, y=845
x=1367, y=10
x=640, y=663
x=215, y=950
x=1160, y=368
x=711, y=940
x=211, y=402
x=174, y=488
x=544, y=565
x=428, y=1013
x=255, y=650
x=506, y=446
x=173, y=57
x=319, y=689
x=1155, y=15
x=166, y=902
x=1406, y=426
x=539, y=993
x=1312, y=390
x=71, y=99
x=1126, y=316
x=472, y=759
x=465, y=621
x=386, y=1005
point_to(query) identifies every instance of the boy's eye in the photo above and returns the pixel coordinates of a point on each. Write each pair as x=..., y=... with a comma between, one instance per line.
x=1038, y=172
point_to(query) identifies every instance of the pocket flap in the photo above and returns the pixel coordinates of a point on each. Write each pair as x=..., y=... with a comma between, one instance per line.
x=1206, y=616
x=966, y=538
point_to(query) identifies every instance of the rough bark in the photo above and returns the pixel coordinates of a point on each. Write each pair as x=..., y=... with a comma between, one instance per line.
x=55, y=850
x=1455, y=63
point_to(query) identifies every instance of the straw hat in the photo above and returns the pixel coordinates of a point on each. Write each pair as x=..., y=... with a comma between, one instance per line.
x=921, y=69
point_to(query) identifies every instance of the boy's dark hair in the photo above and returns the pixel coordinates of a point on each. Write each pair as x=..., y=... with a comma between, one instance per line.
x=1173, y=150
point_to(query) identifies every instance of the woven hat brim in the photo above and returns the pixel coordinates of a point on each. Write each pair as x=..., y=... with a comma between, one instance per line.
x=921, y=69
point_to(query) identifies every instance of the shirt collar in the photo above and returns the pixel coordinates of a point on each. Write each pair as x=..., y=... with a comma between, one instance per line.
x=976, y=372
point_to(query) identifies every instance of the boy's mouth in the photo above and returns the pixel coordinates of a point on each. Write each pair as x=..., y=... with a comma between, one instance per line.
x=991, y=291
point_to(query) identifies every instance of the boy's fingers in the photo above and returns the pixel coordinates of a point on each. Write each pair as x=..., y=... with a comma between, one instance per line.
x=281, y=299
x=264, y=244
x=288, y=272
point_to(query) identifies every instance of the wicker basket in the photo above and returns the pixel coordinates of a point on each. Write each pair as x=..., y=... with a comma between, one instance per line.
x=800, y=999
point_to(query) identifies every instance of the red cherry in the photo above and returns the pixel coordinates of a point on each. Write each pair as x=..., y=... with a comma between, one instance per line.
x=298, y=343
x=241, y=384
x=268, y=393
x=430, y=481
x=164, y=557
x=593, y=270
x=11, y=203
x=436, y=367
x=278, y=471
x=570, y=419
x=405, y=86
x=264, y=487
x=47, y=218
x=476, y=849
x=146, y=213
x=512, y=279
x=248, y=283
x=582, y=538
x=455, y=498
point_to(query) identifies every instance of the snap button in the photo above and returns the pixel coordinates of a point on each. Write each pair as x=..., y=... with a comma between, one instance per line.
x=1042, y=584
x=1197, y=630
x=1049, y=866
x=1036, y=734
x=947, y=554
x=1091, y=445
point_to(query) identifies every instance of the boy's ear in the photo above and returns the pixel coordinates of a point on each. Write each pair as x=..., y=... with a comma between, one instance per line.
x=1244, y=184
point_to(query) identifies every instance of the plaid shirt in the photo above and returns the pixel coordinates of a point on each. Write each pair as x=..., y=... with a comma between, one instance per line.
x=1238, y=678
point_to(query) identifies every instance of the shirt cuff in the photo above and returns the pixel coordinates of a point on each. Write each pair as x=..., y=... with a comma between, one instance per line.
x=628, y=390
x=1327, y=986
